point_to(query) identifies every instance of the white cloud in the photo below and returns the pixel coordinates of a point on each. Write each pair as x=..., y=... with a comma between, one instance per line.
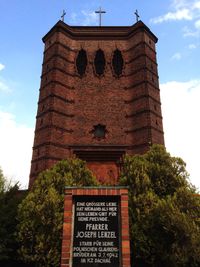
x=73, y=18
x=197, y=5
x=2, y=66
x=188, y=32
x=90, y=18
x=3, y=86
x=86, y=18
x=197, y=24
x=16, y=143
x=8, y=86
x=183, y=14
x=180, y=10
x=192, y=46
x=176, y=56
x=181, y=109
x=178, y=4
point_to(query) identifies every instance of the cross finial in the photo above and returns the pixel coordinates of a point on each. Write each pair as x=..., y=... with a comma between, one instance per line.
x=137, y=15
x=63, y=15
x=100, y=12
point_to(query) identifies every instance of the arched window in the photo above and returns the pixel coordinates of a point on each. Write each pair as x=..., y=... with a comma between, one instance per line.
x=99, y=62
x=117, y=62
x=81, y=62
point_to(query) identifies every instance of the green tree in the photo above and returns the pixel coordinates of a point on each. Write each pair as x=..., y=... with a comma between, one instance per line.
x=9, y=200
x=164, y=210
x=41, y=212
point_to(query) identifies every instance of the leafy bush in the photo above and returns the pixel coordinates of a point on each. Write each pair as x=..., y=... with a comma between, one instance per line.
x=41, y=212
x=164, y=210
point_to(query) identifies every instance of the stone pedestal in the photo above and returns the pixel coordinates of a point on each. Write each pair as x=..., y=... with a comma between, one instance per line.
x=96, y=227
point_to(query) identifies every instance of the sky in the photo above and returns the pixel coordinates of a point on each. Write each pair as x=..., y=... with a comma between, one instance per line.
x=23, y=23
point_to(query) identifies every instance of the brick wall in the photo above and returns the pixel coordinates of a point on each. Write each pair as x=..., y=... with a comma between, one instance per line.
x=70, y=106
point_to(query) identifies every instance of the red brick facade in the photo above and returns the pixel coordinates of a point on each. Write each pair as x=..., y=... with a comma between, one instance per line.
x=71, y=105
x=67, y=246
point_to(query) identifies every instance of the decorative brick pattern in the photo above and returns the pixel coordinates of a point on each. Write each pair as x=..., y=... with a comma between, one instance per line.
x=67, y=243
x=71, y=105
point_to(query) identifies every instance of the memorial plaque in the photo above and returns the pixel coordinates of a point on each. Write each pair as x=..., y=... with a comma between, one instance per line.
x=96, y=237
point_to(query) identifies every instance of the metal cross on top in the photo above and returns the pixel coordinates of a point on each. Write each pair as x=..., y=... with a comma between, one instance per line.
x=100, y=12
x=137, y=15
x=63, y=15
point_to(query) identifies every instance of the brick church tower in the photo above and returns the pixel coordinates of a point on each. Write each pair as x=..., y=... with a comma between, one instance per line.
x=99, y=97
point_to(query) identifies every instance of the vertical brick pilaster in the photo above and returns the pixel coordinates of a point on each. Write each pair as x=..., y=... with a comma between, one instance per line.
x=67, y=230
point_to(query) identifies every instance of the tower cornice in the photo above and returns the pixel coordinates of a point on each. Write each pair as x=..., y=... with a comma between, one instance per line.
x=103, y=32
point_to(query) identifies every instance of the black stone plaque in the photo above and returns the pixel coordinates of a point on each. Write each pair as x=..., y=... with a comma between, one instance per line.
x=96, y=239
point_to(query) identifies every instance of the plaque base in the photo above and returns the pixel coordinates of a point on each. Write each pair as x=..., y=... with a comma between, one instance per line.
x=96, y=227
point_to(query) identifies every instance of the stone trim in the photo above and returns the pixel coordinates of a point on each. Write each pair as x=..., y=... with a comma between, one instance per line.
x=105, y=32
x=67, y=242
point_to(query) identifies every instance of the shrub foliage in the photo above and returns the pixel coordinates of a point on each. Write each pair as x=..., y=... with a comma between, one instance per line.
x=164, y=210
x=41, y=212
